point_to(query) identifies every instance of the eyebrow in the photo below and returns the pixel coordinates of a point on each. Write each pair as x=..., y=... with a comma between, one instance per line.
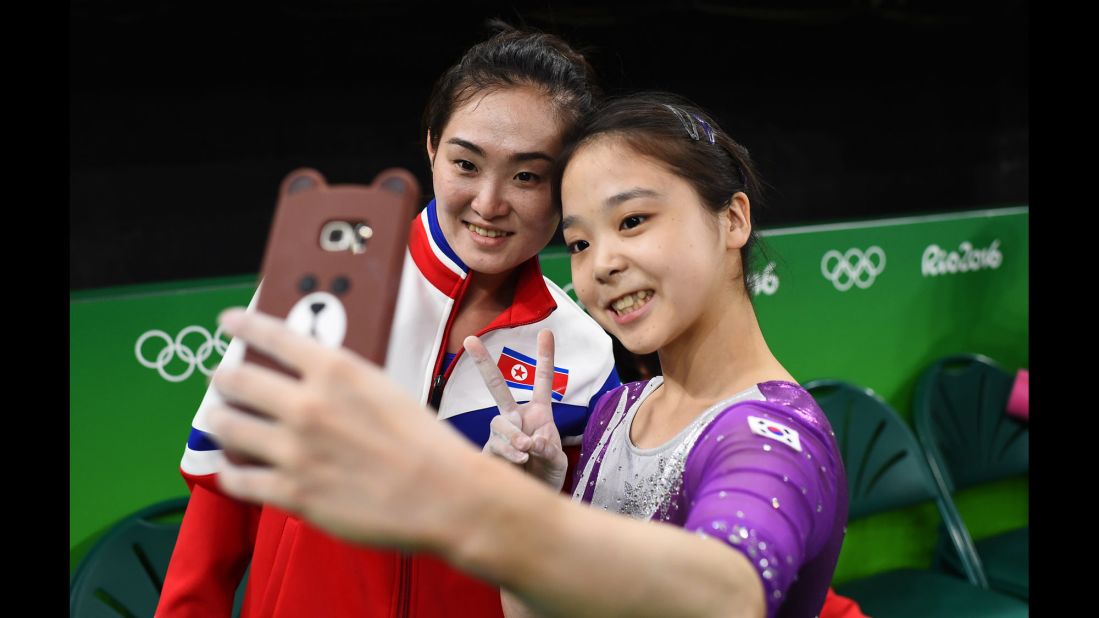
x=625, y=196
x=519, y=156
x=612, y=201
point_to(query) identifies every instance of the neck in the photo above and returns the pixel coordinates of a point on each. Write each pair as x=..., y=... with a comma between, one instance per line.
x=720, y=355
x=490, y=290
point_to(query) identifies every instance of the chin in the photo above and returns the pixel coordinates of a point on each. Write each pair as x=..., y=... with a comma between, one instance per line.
x=490, y=264
x=639, y=345
x=642, y=350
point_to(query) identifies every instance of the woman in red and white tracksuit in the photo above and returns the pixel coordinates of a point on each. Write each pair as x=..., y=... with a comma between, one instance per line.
x=493, y=128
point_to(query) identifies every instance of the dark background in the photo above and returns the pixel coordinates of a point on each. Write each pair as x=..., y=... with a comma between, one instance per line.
x=186, y=115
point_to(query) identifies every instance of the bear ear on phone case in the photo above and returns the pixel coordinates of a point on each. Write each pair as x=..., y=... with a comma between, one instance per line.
x=334, y=255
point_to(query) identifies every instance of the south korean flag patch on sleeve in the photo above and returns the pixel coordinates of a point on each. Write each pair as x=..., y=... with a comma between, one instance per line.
x=775, y=431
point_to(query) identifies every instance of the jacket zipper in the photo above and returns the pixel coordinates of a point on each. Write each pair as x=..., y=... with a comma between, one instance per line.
x=405, y=590
x=440, y=380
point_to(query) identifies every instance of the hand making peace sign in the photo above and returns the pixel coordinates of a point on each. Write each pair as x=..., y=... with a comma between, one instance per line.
x=525, y=433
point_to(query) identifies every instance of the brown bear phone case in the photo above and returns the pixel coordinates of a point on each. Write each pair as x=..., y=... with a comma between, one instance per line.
x=334, y=257
x=333, y=262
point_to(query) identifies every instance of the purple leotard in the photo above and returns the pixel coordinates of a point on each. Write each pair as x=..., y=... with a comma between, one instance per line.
x=759, y=471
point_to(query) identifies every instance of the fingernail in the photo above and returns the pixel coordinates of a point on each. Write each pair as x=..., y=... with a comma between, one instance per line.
x=230, y=319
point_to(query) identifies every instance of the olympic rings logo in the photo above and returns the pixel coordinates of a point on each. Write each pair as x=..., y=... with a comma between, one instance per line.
x=174, y=348
x=853, y=268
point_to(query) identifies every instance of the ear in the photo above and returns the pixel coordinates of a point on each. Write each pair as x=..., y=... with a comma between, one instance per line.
x=430, y=149
x=398, y=181
x=737, y=220
x=401, y=184
x=301, y=179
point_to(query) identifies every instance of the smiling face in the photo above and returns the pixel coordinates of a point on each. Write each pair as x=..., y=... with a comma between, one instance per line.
x=492, y=177
x=649, y=261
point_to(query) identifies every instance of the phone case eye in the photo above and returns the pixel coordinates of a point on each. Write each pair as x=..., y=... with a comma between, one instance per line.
x=340, y=285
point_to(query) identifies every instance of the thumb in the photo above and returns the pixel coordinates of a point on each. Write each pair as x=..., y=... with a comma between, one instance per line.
x=543, y=448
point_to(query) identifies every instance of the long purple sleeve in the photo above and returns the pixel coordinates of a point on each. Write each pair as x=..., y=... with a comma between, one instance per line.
x=785, y=509
x=763, y=476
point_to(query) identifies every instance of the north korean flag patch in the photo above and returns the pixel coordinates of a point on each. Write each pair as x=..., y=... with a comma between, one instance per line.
x=775, y=431
x=518, y=372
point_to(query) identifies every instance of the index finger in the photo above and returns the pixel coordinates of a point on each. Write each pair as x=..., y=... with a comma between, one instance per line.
x=543, y=371
x=272, y=337
x=490, y=373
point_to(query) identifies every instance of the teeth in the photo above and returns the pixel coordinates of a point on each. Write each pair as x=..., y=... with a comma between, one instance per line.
x=627, y=302
x=486, y=232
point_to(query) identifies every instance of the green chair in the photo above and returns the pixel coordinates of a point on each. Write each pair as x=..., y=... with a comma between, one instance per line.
x=960, y=420
x=886, y=471
x=122, y=574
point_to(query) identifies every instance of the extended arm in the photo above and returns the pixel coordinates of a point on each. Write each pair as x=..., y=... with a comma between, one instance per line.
x=351, y=452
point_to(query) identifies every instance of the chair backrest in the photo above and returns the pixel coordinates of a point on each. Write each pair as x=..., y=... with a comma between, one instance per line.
x=123, y=572
x=886, y=468
x=959, y=413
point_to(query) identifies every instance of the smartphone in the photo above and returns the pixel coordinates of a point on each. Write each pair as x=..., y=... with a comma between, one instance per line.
x=332, y=267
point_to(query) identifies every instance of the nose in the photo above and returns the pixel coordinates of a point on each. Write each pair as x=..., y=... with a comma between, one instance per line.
x=317, y=307
x=489, y=203
x=609, y=261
